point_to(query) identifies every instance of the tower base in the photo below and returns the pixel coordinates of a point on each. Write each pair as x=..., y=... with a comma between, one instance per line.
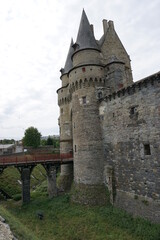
x=65, y=179
x=89, y=194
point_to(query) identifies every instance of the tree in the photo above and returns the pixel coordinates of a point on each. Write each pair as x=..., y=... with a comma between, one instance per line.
x=49, y=141
x=32, y=137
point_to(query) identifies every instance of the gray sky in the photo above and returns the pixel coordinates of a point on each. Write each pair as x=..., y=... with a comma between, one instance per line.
x=34, y=40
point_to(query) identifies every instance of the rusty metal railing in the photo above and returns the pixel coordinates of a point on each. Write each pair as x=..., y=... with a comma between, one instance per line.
x=35, y=159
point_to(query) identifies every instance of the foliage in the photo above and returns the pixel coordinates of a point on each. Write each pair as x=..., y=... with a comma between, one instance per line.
x=17, y=197
x=10, y=179
x=17, y=227
x=65, y=221
x=32, y=137
x=7, y=141
x=50, y=141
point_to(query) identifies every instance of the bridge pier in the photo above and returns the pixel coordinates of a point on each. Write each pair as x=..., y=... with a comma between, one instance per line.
x=25, y=172
x=51, y=178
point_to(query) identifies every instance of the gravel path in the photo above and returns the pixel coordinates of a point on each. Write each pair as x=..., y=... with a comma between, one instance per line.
x=5, y=232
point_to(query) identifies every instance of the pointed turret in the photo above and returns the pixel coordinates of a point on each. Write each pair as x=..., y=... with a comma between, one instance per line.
x=68, y=64
x=85, y=37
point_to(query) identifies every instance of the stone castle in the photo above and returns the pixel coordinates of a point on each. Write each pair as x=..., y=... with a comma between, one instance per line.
x=111, y=124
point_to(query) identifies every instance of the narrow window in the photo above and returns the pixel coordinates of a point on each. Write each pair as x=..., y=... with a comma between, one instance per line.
x=83, y=69
x=61, y=110
x=75, y=148
x=74, y=125
x=84, y=100
x=100, y=95
x=132, y=110
x=113, y=115
x=147, y=150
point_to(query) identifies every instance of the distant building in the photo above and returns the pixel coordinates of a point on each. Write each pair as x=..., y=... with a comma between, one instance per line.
x=7, y=149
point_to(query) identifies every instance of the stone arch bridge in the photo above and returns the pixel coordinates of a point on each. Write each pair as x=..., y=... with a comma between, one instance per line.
x=26, y=163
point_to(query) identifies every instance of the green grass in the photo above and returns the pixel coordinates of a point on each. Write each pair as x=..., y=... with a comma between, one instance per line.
x=66, y=221
x=9, y=179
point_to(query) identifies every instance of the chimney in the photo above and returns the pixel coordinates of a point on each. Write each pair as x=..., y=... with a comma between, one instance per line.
x=105, y=26
x=111, y=24
x=92, y=28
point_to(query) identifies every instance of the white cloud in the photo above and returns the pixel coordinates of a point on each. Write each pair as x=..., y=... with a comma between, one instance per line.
x=34, y=40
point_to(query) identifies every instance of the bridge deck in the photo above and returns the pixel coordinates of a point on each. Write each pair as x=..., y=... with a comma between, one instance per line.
x=35, y=159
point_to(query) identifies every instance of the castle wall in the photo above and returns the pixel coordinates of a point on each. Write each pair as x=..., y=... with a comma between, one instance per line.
x=130, y=122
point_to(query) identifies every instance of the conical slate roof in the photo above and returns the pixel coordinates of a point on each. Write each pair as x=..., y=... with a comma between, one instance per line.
x=68, y=64
x=85, y=37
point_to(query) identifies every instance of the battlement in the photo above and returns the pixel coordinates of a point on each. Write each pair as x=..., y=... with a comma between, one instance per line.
x=86, y=82
x=137, y=86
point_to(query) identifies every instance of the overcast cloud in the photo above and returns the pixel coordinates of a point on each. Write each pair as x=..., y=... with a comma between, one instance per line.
x=34, y=41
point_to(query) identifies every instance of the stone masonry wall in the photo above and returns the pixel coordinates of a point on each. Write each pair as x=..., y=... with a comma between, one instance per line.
x=130, y=122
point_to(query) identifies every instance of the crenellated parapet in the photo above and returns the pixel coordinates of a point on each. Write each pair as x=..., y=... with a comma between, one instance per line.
x=135, y=87
x=64, y=97
x=86, y=71
x=85, y=83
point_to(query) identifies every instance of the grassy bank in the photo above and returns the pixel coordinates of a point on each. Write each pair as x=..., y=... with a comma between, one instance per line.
x=10, y=179
x=65, y=221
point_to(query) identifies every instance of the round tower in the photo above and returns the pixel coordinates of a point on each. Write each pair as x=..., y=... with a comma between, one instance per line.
x=85, y=77
x=65, y=123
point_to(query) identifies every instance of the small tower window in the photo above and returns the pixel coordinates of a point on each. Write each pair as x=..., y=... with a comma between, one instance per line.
x=147, y=149
x=75, y=148
x=83, y=69
x=132, y=110
x=84, y=100
x=61, y=110
x=99, y=94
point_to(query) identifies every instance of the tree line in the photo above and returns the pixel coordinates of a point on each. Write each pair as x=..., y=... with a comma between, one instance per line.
x=32, y=138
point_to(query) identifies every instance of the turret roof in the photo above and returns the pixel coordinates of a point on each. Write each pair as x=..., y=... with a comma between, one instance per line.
x=85, y=37
x=68, y=64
